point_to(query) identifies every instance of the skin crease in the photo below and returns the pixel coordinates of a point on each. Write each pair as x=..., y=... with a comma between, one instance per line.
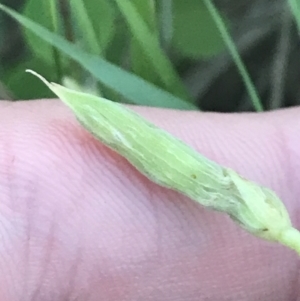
x=78, y=222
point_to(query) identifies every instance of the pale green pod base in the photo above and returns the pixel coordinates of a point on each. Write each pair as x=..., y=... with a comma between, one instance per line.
x=291, y=239
x=177, y=166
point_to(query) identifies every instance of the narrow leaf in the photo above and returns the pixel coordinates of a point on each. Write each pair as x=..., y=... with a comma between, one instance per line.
x=150, y=44
x=235, y=55
x=85, y=26
x=130, y=86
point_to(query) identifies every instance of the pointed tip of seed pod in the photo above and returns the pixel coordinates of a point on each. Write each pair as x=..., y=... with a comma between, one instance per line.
x=55, y=88
x=39, y=76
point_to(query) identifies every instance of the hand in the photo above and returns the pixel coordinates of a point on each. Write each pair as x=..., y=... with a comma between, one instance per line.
x=78, y=222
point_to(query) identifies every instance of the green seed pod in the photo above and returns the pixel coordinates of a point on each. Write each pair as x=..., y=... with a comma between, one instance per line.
x=175, y=165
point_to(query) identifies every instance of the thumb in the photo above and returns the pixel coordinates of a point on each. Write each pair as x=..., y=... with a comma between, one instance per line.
x=79, y=222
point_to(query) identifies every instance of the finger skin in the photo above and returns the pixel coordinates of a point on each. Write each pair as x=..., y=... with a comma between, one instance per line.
x=78, y=222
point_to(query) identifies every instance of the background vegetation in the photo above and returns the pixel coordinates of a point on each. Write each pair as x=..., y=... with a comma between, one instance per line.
x=225, y=55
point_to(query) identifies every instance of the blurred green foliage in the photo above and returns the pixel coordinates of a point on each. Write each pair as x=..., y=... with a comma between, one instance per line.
x=195, y=32
x=125, y=33
x=128, y=51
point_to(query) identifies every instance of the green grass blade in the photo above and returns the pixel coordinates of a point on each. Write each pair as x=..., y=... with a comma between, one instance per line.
x=130, y=86
x=235, y=55
x=150, y=44
x=295, y=9
x=85, y=26
x=140, y=64
x=54, y=12
x=166, y=21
